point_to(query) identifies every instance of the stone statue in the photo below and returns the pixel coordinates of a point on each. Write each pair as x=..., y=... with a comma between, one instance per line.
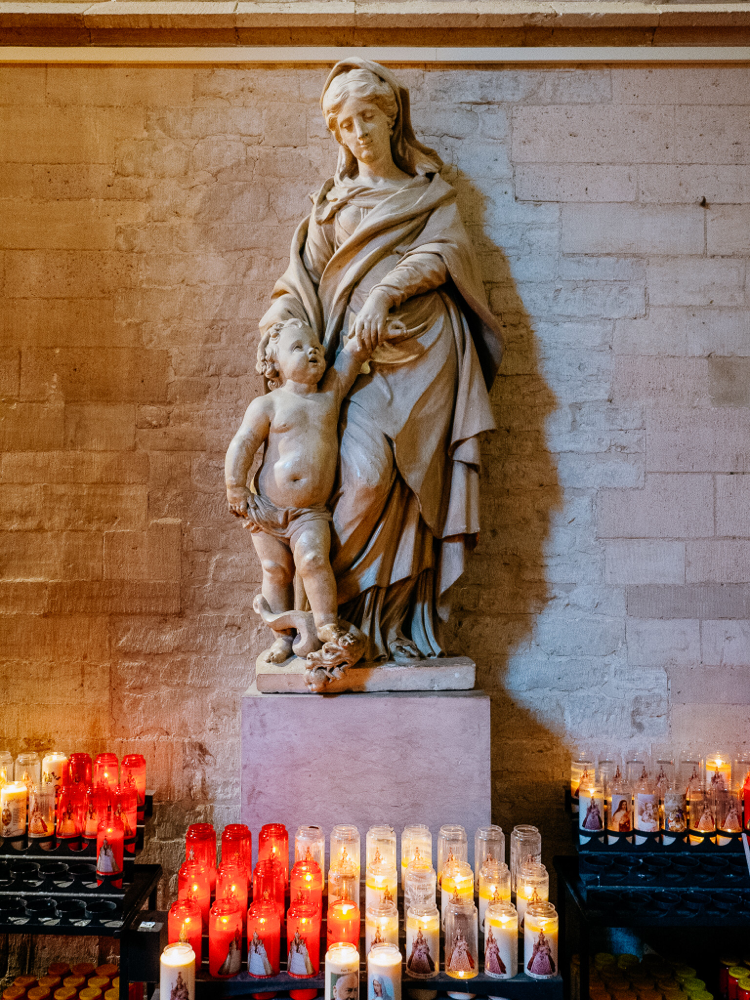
x=381, y=272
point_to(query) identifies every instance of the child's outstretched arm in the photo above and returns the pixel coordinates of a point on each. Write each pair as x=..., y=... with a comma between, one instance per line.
x=252, y=433
x=347, y=366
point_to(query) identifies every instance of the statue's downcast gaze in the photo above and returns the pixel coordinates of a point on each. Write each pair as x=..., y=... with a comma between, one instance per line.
x=379, y=350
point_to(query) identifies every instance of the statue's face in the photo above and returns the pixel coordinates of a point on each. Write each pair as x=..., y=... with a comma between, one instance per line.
x=365, y=131
x=300, y=355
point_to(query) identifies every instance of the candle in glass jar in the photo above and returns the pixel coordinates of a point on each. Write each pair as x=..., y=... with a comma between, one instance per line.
x=501, y=940
x=489, y=845
x=28, y=768
x=70, y=812
x=193, y=883
x=310, y=843
x=452, y=846
x=263, y=939
x=728, y=805
x=423, y=940
x=702, y=816
x=185, y=924
x=343, y=922
x=80, y=769
x=416, y=845
x=420, y=884
x=126, y=807
x=231, y=883
x=381, y=925
x=533, y=884
x=458, y=880
x=381, y=885
x=133, y=775
x=541, y=928
x=494, y=886
x=41, y=813
x=110, y=850
x=177, y=972
x=273, y=843
x=718, y=771
x=6, y=767
x=54, y=773
x=106, y=770
x=13, y=801
x=200, y=845
x=306, y=883
x=268, y=883
x=384, y=972
x=591, y=812
x=461, y=938
x=303, y=940
x=380, y=845
x=674, y=815
x=225, y=939
x=342, y=972
x=237, y=845
x=345, y=848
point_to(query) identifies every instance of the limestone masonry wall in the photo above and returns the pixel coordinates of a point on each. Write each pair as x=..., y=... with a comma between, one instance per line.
x=144, y=216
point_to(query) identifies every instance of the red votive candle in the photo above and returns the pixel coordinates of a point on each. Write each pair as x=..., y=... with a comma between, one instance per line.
x=303, y=940
x=105, y=770
x=79, y=769
x=231, y=883
x=225, y=939
x=273, y=842
x=185, y=923
x=268, y=883
x=193, y=883
x=263, y=939
x=306, y=883
x=126, y=807
x=71, y=810
x=237, y=845
x=110, y=849
x=133, y=774
x=200, y=845
x=343, y=922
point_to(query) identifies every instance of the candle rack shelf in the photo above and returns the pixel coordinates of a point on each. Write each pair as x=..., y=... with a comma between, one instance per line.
x=653, y=871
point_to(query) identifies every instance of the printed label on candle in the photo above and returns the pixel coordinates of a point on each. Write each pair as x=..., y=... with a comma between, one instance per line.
x=458, y=958
x=647, y=812
x=257, y=957
x=106, y=861
x=500, y=952
x=12, y=811
x=231, y=964
x=382, y=987
x=41, y=812
x=620, y=820
x=343, y=985
x=298, y=960
x=422, y=948
x=675, y=814
x=541, y=949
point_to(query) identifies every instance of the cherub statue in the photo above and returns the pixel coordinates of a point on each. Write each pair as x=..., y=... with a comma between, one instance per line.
x=287, y=508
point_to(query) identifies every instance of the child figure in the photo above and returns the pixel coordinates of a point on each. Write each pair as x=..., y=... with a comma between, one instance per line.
x=287, y=509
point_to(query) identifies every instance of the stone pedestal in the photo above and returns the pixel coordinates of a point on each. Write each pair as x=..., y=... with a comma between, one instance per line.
x=365, y=759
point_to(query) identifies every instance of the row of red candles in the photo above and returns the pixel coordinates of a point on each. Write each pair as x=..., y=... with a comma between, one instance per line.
x=229, y=918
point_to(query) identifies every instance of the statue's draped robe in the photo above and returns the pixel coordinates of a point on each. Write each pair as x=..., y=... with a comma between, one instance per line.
x=406, y=503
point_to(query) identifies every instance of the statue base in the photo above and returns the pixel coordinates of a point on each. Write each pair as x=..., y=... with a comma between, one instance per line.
x=447, y=673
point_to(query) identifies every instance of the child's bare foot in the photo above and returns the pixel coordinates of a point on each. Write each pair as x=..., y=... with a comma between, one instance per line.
x=280, y=651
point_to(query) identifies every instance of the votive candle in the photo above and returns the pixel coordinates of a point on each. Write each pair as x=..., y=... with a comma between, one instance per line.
x=200, y=845
x=380, y=845
x=494, y=886
x=384, y=969
x=231, y=883
x=416, y=845
x=381, y=925
x=381, y=884
x=423, y=940
x=342, y=972
x=126, y=807
x=13, y=801
x=80, y=769
x=343, y=922
x=273, y=843
x=193, y=883
x=110, y=849
x=70, y=812
x=106, y=770
x=718, y=771
x=533, y=884
x=263, y=939
x=237, y=845
x=458, y=883
x=461, y=938
x=541, y=929
x=306, y=883
x=225, y=938
x=54, y=774
x=303, y=940
x=452, y=846
x=489, y=844
x=177, y=972
x=41, y=812
x=185, y=924
x=345, y=850
x=501, y=940
x=268, y=883
x=310, y=843
x=133, y=774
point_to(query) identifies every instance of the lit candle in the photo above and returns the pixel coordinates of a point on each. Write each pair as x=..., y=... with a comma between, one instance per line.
x=461, y=938
x=581, y=772
x=133, y=774
x=268, y=883
x=110, y=849
x=80, y=769
x=54, y=775
x=41, y=812
x=729, y=802
x=106, y=770
x=718, y=771
x=177, y=972
x=540, y=941
x=306, y=883
x=185, y=924
x=533, y=884
x=70, y=812
x=423, y=940
x=273, y=843
x=381, y=925
x=675, y=815
x=452, y=846
x=263, y=939
x=13, y=799
x=384, y=972
x=702, y=817
x=343, y=922
x=200, y=845
x=303, y=940
x=28, y=768
x=345, y=848
x=416, y=845
x=126, y=807
x=494, y=886
x=237, y=845
x=342, y=972
x=380, y=845
x=381, y=884
x=193, y=883
x=231, y=883
x=458, y=880
x=501, y=940
x=310, y=843
x=225, y=939
x=591, y=812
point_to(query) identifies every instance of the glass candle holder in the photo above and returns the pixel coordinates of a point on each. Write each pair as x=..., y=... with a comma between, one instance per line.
x=494, y=886
x=343, y=922
x=384, y=972
x=13, y=804
x=728, y=804
x=532, y=886
x=342, y=972
x=200, y=845
x=268, y=883
x=525, y=845
x=41, y=813
x=420, y=885
x=231, y=883
x=126, y=807
x=185, y=924
x=263, y=939
x=80, y=769
x=177, y=971
x=381, y=925
x=303, y=940
x=381, y=846
x=665, y=775
x=541, y=932
x=452, y=845
x=345, y=849
x=461, y=939
x=273, y=843
x=193, y=883
x=225, y=939
x=28, y=768
x=674, y=814
x=690, y=774
x=96, y=807
x=590, y=811
x=702, y=816
x=237, y=845
x=110, y=850
x=458, y=884
x=381, y=885
x=306, y=883
x=133, y=775
x=581, y=770
x=423, y=940
x=645, y=806
x=501, y=940
x=70, y=812
x=106, y=770
x=619, y=811
x=54, y=774
x=6, y=767
x=489, y=843
x=718, y=771
x=606, y=767
x=416, y=845
x=342, y=885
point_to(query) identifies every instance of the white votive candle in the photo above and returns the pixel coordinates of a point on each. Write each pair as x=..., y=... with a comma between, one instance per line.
x=342, y=972
x=177, y=972
x=384, y=973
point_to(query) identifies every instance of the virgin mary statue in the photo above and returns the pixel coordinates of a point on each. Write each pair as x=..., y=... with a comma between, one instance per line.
x=384, y=254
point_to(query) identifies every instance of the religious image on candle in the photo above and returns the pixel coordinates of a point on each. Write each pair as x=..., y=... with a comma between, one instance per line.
x=342, y=972
x=542, y=961
x=13, y=798
x=541, y=934
x=41, y=812
x=501, y=941
x=495, y=964
x=257, y=957
x=298, y=961
x=423, y=947
x=384, y=973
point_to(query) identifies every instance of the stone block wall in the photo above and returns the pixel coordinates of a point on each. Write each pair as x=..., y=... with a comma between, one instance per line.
x=144, y=215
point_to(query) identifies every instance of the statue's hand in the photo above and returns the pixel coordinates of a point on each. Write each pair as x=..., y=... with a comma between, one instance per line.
x=237, y=499
x=372, y=318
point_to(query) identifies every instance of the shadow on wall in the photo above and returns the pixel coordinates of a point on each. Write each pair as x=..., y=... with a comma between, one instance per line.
x=504, y=586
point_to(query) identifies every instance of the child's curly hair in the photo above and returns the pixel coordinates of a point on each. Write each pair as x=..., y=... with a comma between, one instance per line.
x=267, y=363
